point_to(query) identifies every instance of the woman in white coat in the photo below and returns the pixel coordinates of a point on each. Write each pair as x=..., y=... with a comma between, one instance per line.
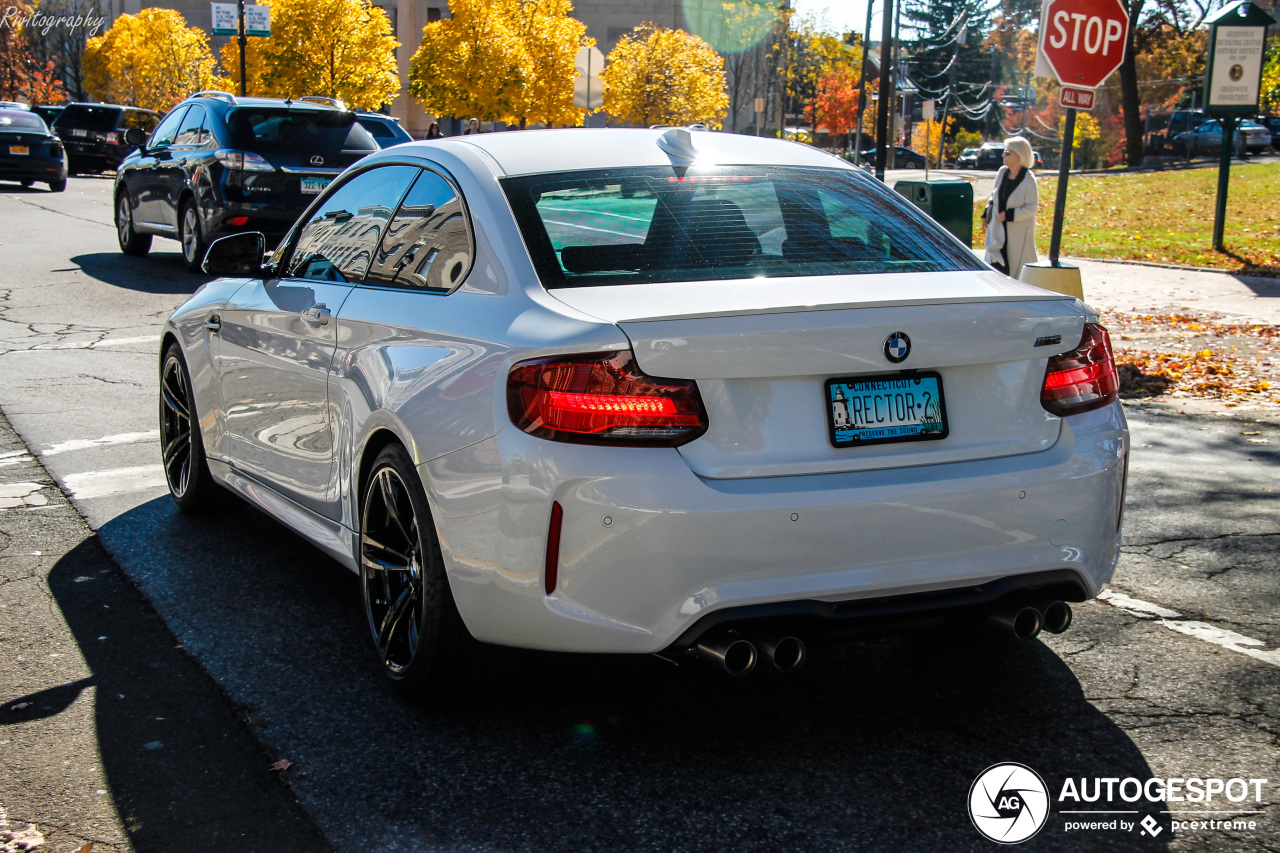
x=1010, y=217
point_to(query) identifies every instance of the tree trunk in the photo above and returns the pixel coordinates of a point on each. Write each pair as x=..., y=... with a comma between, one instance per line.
x=1130, y=100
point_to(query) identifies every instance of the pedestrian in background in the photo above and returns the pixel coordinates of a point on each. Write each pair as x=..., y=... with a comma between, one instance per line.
x=473, y=126
x=433, y=132
x=1010, y=218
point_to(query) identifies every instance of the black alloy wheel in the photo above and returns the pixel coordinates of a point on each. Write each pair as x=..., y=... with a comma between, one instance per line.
x=182, y=449
x=419, y=636
x=192, y=237
x=131, y=242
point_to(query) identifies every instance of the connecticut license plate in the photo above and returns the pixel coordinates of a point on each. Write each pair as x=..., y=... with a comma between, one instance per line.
x=79, y=131
x=311, y=186
x=865, y=410
x=19, y=149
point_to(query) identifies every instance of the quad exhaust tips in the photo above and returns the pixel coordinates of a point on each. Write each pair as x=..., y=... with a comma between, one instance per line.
x=738, y=656
x=734, y=655
x=1056, y=617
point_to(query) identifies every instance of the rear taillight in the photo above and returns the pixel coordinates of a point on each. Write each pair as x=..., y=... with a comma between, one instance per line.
x=1084, y=379
x=244, y=161
x=603, y=398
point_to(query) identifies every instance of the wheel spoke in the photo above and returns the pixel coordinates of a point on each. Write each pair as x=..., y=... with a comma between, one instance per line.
x=175, y=398
x=180, y=443
x=404, y=559
x=392, y=620
x=393, y=511
x=382, y=565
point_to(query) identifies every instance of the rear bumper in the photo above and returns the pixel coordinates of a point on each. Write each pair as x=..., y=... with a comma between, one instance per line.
x=32, y=169
x=649, y=550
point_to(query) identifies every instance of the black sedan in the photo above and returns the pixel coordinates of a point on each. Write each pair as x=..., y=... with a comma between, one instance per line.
x=903, y=158
x=29, y=152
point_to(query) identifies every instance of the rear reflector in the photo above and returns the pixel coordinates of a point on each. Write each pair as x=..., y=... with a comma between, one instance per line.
x=237, y=220
x=603, y=398
x=552, y=571
x=1084, y=379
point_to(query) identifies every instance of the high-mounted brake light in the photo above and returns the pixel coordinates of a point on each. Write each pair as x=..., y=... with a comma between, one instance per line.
x=603, y=398
x=1084, y=379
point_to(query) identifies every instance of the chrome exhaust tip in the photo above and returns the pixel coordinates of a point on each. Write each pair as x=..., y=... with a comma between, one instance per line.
x=1024, y=622
x=1057, y=617
x=734, y=655
x=787, y=654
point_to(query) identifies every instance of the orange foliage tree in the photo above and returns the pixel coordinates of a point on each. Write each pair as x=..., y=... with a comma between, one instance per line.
x=835, y=104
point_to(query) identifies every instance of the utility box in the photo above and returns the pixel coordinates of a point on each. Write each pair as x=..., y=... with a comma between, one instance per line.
x=950, y=203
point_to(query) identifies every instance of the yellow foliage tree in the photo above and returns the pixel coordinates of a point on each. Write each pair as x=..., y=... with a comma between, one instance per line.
x=1084, y=141
x=510, y=60
x=660, y=76
x=336, y=48
x=151, y=59
x=925, y=136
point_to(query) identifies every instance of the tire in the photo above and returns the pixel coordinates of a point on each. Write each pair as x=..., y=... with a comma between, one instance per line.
x=192, y=236
x=58, y=186
x=26, y=184
x=131, y=242
x=186, y=469
x=421, y=641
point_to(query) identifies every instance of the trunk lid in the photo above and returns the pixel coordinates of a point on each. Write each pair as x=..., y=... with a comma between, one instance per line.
x=763, y=350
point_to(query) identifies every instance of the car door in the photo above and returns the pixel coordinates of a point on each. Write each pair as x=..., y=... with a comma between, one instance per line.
x=151, y=176
x=171, y=171
x=278, y=338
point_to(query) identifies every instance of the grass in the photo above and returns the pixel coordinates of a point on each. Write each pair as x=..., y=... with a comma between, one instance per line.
x=1166, y=217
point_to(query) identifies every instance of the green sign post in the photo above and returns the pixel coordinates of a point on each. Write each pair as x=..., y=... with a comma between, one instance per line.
x=1232, y=84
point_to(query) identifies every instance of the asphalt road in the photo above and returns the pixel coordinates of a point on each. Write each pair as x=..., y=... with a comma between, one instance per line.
x=870, y=746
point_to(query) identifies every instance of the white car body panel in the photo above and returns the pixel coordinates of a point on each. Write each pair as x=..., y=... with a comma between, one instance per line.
x=761, y=509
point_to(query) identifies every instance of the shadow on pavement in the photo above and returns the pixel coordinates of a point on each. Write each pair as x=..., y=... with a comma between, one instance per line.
x=159, y=272
x=184, y=772
x=871, y=746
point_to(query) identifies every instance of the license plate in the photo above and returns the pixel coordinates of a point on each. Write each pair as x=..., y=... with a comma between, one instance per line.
x=79, y=131
x=311, y=186
x=863, y=410
x=19, y=149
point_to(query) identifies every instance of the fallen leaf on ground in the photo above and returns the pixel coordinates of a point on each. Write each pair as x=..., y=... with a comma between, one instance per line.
x=20, y=841
x=282, y=764
x=19, y=706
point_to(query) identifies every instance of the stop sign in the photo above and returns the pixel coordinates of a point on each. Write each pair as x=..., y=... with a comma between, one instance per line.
x=1083, y=41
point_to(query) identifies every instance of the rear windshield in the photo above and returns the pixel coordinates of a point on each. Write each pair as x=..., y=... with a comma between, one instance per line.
x=298, y=131
x=14, y=120
x=378, y=129
x=89, y=117
x=638, y=226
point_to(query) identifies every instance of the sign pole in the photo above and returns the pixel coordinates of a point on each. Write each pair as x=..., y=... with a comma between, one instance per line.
x=1224, y=179
x=243, y=42
x=1060, y=201
x=886, y=92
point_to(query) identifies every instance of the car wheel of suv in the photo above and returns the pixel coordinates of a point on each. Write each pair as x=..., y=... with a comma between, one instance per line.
x=58, y=186
x=193, y=245
x=182, y=448
x=417, y=631
x=131, y=242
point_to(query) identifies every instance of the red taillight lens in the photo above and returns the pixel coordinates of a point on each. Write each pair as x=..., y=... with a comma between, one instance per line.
x=1085, y=378
x=603, y=398
x=237, y=220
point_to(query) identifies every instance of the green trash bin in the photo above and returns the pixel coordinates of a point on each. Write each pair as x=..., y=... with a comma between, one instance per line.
x=950, y=203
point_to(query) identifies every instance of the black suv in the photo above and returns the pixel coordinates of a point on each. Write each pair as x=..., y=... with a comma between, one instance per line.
x=220, y=165
x=94, y=134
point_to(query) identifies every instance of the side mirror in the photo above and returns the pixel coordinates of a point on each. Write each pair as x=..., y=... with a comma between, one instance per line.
x=237, y=255
x=135, y=137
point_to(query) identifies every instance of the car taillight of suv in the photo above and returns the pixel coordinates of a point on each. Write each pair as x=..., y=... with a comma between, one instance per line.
x=244, y=161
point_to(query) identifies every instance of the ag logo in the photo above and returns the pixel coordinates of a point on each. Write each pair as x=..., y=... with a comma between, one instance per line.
x=1008, y=803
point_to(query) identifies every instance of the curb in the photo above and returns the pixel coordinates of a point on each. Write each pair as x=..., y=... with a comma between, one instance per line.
x=1264, y=274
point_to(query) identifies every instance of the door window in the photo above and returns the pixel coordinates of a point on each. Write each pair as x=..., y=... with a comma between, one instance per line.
x=167, y=130
x=343, y=232
x=427, y=245
x=192, y=130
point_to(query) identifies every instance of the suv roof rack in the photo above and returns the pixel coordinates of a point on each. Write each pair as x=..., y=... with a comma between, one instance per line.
x=218, y=94
x=322, y=99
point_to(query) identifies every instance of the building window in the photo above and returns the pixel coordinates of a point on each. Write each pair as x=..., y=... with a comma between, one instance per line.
x=433, y=14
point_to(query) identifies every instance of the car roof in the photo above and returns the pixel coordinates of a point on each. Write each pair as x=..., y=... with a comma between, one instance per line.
x=259, y=102
x=529, y=152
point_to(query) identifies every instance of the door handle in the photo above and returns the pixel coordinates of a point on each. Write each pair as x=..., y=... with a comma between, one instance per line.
x=318, y=314
x=214, y=323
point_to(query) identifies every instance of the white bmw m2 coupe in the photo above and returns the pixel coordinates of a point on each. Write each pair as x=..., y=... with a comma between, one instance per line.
x=648, y=391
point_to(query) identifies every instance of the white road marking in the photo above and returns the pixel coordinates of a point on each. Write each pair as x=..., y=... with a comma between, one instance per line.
x=1141, y=609
x=111, y=342
x=105, y=441
x=100, y=484
x=1173, y=620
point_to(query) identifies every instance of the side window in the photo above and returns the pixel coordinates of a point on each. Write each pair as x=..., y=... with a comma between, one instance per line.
x=427, y=244
x=168, y=129
x=192, y=131
x=339, y=239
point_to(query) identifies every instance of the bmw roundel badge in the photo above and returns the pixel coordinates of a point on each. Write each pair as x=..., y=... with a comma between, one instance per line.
x=897, y=347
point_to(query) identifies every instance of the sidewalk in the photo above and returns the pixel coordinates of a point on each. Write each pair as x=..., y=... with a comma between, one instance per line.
x=1116, y=286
